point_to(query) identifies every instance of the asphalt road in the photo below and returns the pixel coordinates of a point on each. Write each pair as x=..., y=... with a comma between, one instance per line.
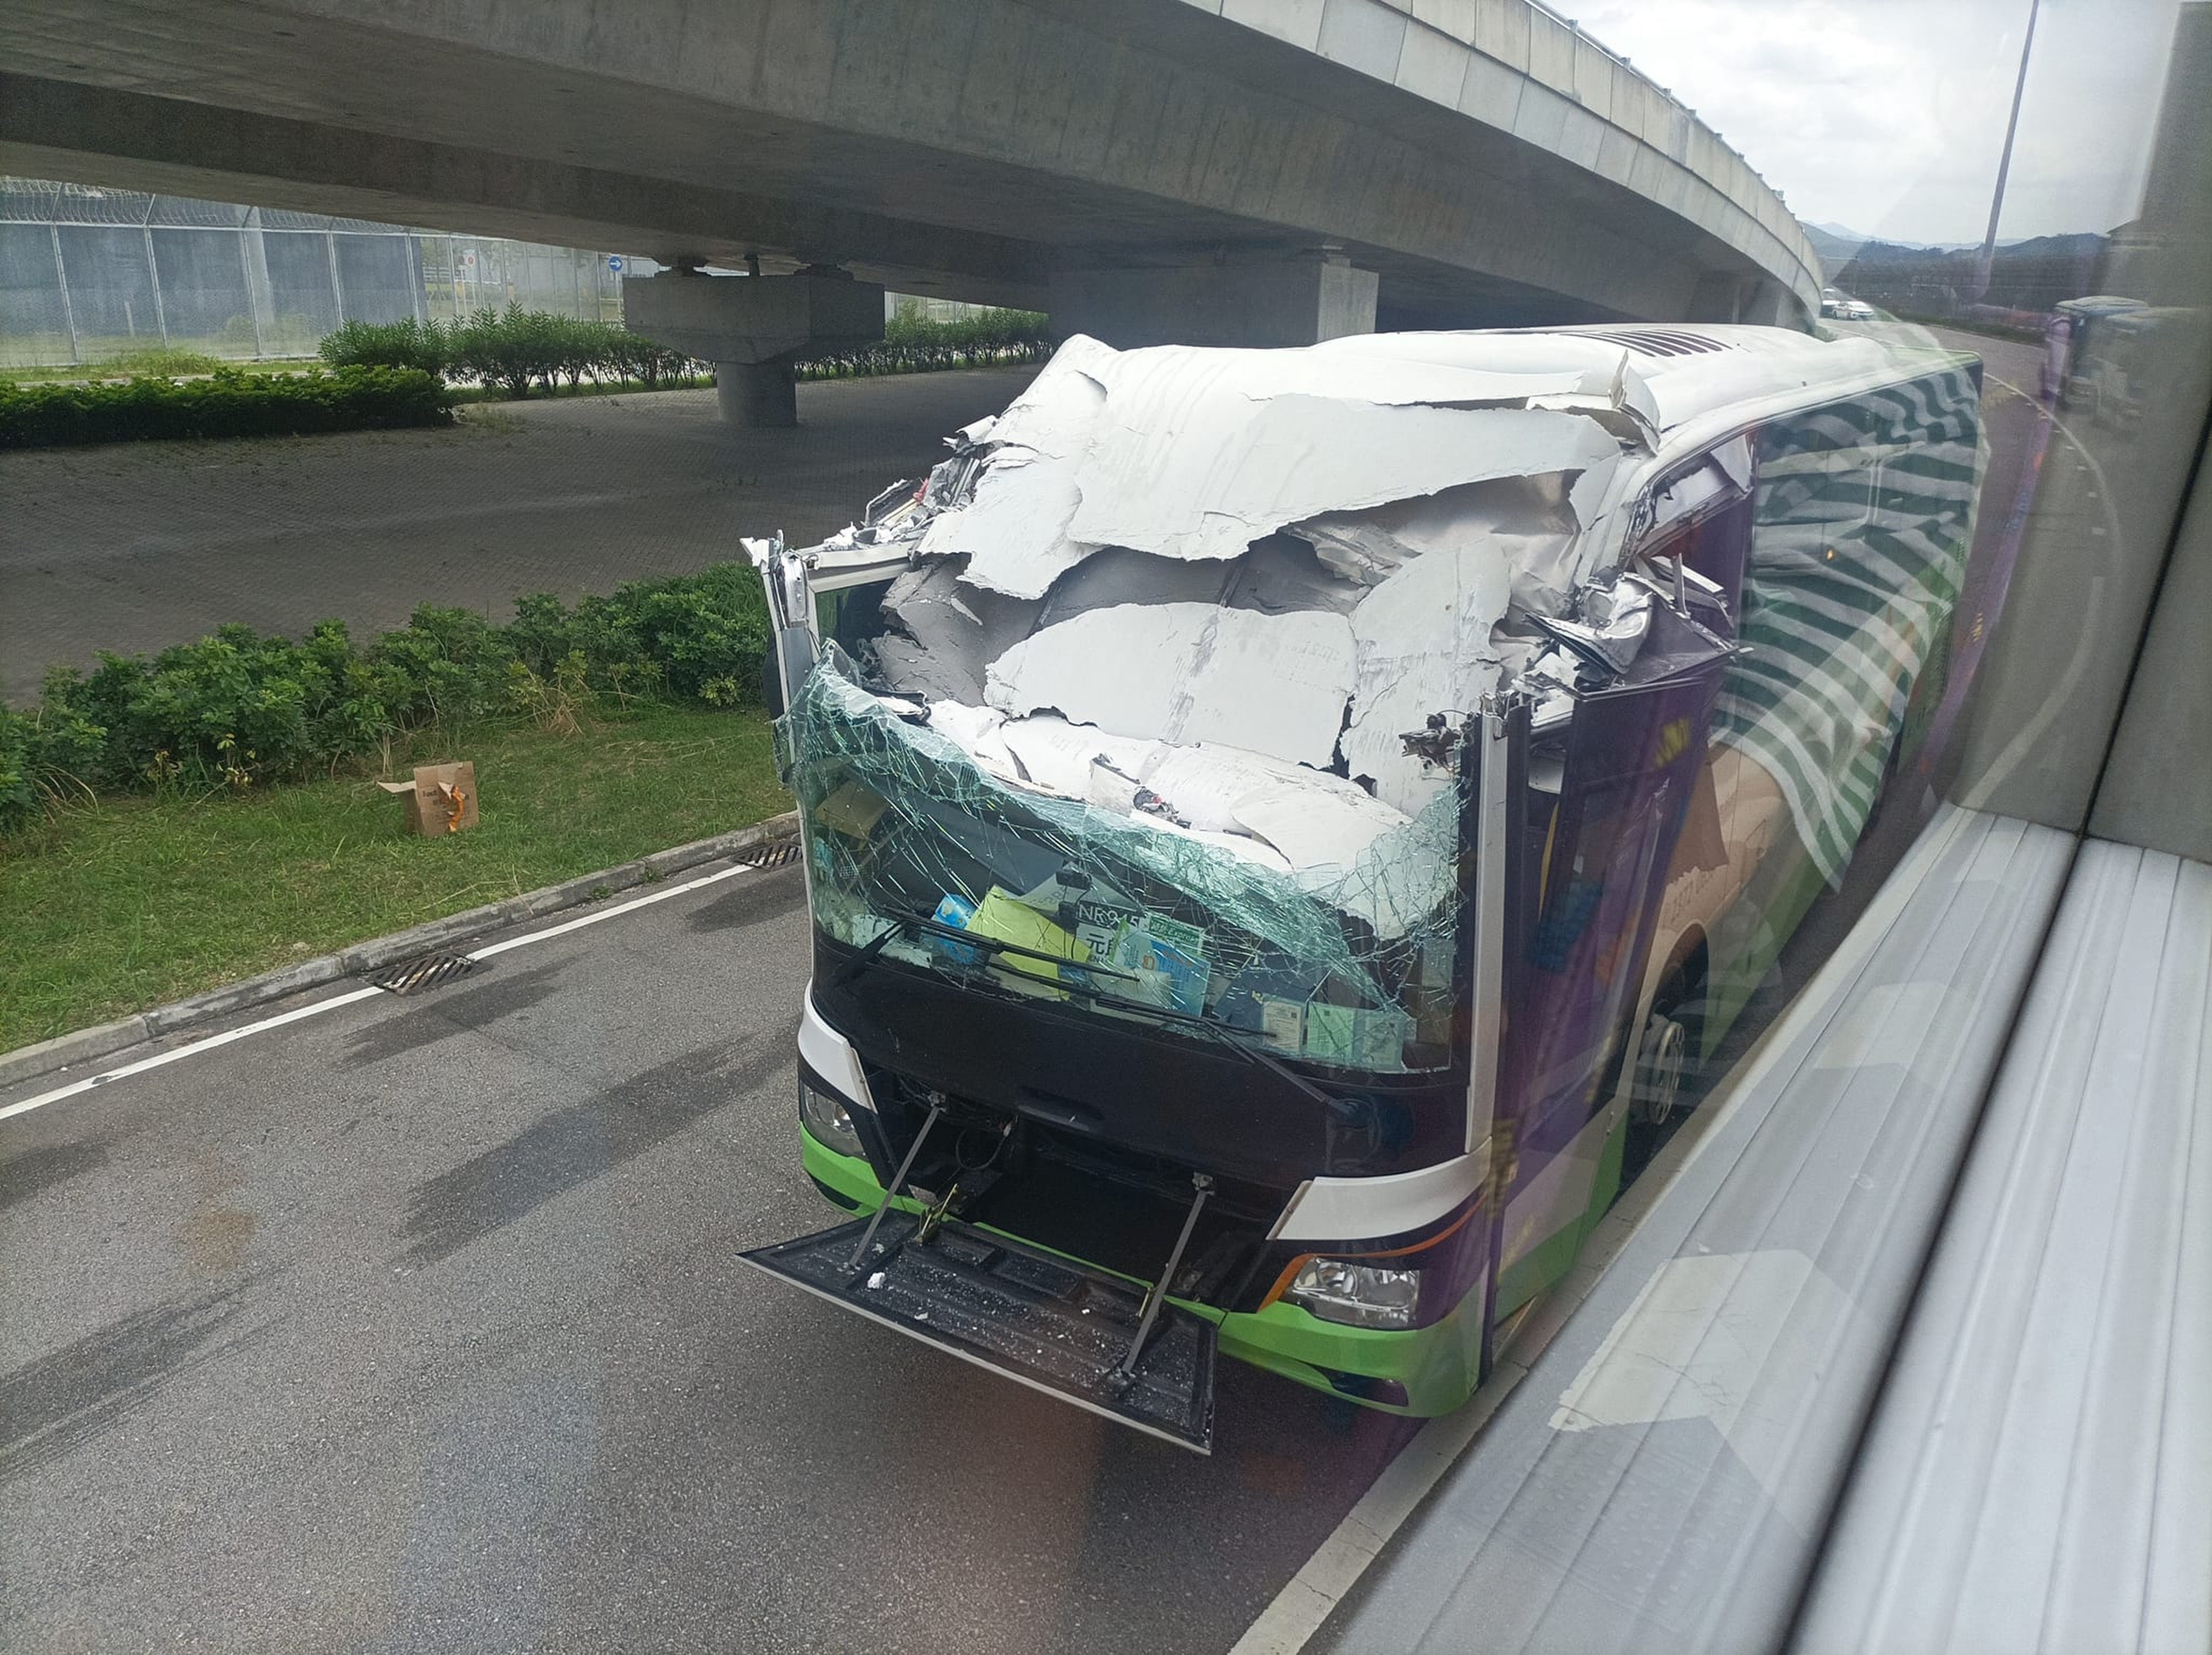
x=136, y=546
x=417, y=1325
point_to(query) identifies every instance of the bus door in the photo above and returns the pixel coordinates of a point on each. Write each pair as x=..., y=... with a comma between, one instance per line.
x=1631, y=757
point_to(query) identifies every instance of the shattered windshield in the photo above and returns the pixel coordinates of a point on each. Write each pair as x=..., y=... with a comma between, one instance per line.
x=918, y=854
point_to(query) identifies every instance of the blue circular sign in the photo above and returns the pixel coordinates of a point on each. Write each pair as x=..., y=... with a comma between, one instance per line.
x=614, y=263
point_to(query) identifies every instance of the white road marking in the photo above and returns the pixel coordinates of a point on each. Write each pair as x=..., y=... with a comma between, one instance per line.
x=596, y=915
x=76, y=1088
x=209, y=1044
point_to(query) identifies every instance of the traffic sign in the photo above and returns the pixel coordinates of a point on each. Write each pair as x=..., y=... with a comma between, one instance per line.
x=615, y=262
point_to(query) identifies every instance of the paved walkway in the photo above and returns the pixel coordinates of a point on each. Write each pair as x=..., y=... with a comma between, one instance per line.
x=139, y=546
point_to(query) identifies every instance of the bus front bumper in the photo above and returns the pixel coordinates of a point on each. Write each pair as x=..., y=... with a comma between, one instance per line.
x=1420, y=1372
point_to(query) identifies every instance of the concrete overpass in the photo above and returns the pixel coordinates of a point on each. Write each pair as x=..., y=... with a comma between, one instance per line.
x=1211, y=171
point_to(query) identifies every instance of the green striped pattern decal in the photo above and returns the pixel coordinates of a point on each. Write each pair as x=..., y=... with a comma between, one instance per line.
x=1863, y=520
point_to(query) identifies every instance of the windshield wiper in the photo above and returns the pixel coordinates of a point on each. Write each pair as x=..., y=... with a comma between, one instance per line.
x=904, y=920
x=867, y=957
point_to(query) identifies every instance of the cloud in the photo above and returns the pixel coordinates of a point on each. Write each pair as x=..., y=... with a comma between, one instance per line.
x=1888, y=115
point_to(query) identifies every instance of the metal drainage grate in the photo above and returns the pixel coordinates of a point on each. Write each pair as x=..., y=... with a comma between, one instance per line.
x=423, y=971
x=775, y=855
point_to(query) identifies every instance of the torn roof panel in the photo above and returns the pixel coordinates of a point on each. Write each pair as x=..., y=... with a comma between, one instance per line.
x=1014, y=527
x=1060, y=757
x=1210, y=475
x=1423, y=646
x=1315, y=828
x=1120, y=668
x=1283, y=573
x=956, y=632
x=1014, y=530
x=1054, y=416
x=1116, y=575
x=1210, y=785
x=1369, y=546
x=1189, y=672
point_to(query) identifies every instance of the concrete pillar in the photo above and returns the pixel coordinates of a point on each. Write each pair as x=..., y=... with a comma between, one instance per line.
x=1255, y=299
x=1718, y=298
x=753, y=328
x=1769, y=304
x=757, y=393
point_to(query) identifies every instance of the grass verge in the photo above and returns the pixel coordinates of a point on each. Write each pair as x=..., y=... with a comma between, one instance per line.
x=128, y=904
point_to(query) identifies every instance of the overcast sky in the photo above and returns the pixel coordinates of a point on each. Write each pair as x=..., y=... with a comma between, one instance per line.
x=1886, y=116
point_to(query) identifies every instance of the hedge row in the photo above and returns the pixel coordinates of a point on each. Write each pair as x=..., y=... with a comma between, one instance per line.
x=516, y=351
x=918, y=359
x=513, y=351
x=226, y=403
x=913, y=343
x=238, y=710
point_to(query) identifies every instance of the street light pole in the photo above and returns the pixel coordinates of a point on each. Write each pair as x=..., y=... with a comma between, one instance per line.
x=2004, y=160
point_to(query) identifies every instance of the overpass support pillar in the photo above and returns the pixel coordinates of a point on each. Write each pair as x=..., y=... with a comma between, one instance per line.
x=1253, y=300
x=754, y=328
x=1721, y=298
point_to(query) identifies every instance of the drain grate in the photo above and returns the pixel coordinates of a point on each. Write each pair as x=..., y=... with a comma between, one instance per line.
x=423, y=971
x=775, y=855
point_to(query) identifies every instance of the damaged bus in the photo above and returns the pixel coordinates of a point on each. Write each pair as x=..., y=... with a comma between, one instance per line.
x=1274, y=820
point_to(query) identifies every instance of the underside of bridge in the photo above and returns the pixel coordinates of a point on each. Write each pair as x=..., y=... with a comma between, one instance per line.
x=1143, y=168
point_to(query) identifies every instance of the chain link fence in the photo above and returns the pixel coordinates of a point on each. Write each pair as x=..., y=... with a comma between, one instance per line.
x=87, y=275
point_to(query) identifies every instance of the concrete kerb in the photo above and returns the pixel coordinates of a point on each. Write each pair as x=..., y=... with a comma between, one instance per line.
x=84, y=1045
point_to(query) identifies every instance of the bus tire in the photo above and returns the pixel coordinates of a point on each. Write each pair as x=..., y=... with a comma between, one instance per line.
x=1661, y=1054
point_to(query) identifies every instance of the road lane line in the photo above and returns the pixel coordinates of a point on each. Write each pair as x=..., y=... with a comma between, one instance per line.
x=161, y=1057
x=76, y=1088
x=596, y=915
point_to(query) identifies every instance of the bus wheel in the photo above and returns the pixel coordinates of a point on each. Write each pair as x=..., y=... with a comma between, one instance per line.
x=1659, y=1062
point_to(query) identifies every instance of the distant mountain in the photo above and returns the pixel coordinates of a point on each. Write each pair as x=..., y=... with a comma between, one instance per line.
x=1841, y=239
x=2033, y=274
x=2082, y=244
x=1838, y=247
x=1835, y=246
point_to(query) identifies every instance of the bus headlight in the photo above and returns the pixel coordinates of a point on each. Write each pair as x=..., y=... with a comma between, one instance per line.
x=825, y=1116
x=1359, y=1295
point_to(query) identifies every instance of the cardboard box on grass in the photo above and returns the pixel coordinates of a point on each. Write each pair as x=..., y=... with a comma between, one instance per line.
x=442, y=799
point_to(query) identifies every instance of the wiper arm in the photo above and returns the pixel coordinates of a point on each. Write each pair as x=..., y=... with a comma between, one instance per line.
x=903, y=921
x=993, y=945
x=867, y=957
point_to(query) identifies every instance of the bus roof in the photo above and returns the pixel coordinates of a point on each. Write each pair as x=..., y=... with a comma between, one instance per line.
x=1689, y=370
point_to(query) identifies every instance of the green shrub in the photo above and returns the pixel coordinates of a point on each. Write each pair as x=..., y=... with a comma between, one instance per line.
x=237, y=710
x=427, y=346
x=979, y=330
x=44, y=755
x=495, y=349
x=227, y=403
x=649, y=364
x=700, y=636
x=914, y=345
